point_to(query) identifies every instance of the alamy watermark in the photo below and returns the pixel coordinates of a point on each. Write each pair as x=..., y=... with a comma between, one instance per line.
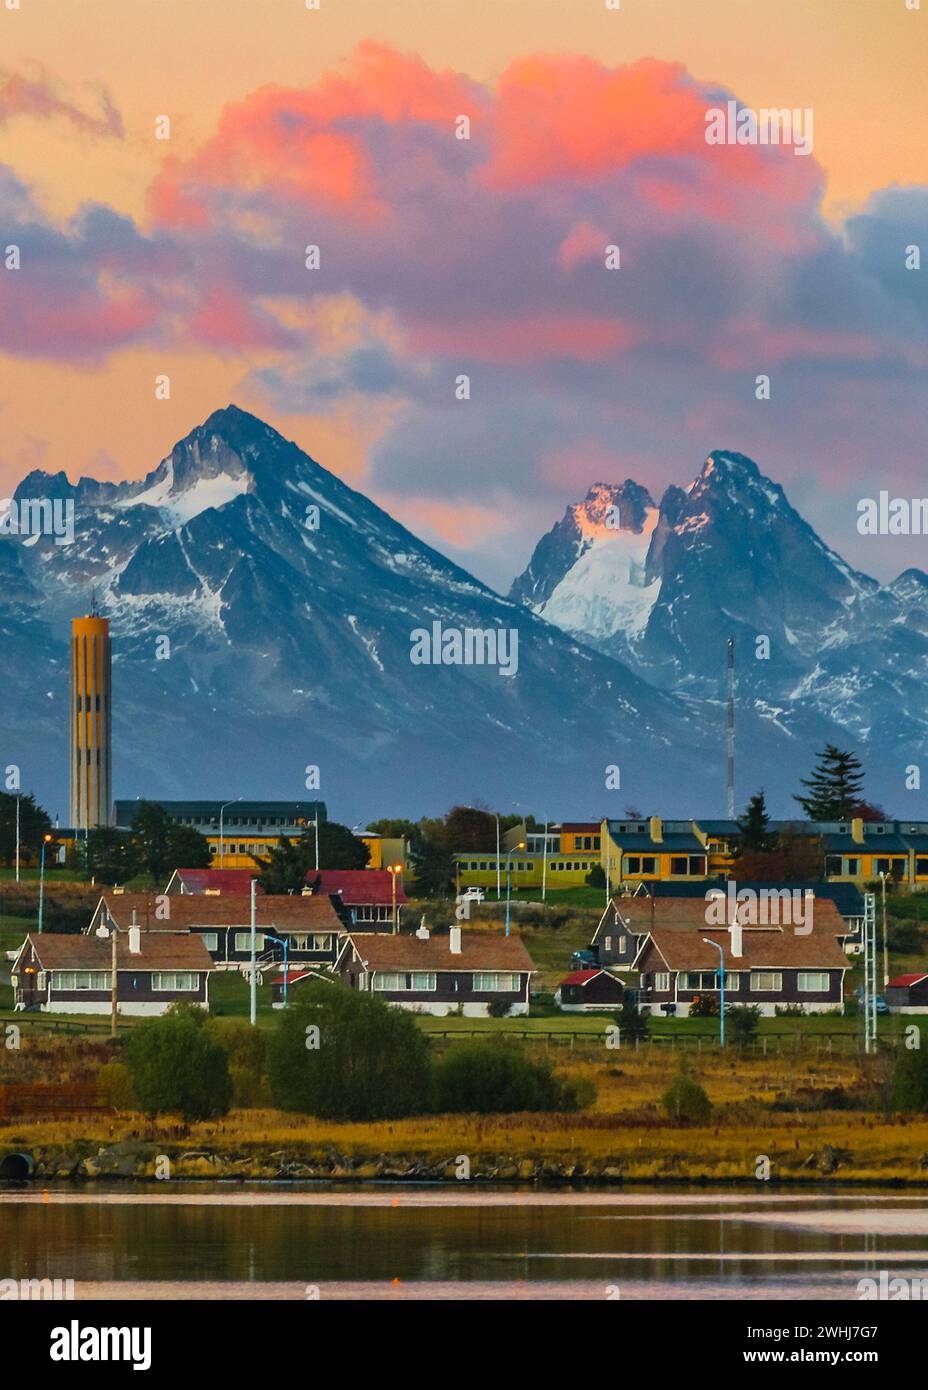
x=734, y=125
x=32, y=517
x=760, y=907
x=467, y=646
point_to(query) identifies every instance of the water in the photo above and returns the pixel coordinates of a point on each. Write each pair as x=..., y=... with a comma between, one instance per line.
x=319, y=1240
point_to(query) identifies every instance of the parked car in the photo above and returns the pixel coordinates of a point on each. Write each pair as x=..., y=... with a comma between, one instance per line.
x=584, y=960
x=881, y=1005
x=473, y=895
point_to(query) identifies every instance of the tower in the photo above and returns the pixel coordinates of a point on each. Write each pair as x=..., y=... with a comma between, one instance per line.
x=731, y=728
x=90, y=720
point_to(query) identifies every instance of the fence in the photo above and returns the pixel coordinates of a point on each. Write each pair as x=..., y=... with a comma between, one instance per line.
x=40, y=1099
x=767, y=1045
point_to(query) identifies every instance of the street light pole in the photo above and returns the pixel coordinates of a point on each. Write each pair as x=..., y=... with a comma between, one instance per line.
x=514, y=850
x=17, y=836
x=721, y=988
x=281, y=941
x=883, y=877
x=45, y=841
x=393, y=870
x=254, y=958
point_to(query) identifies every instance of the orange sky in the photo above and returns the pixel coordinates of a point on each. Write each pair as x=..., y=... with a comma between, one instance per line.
x=860, y=64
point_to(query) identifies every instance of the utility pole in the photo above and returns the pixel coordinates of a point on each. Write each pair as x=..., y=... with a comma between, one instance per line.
x=869, y=997
x=254, y=960
x=18, y=794
x=885, y=936
x=731, y=728
x=113, y=935
x=544, y=863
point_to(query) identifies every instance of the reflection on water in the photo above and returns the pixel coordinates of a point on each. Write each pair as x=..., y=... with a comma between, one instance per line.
x=202, y=1241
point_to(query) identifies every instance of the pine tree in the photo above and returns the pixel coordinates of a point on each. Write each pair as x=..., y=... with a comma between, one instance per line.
x=755, y=835
x=835, y=789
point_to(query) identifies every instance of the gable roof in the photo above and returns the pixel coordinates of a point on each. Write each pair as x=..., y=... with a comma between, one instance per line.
x=904, y=981
x=215, y=880
x=583, y=977
x=760, y=949
x=479, y=951
x=158, y=951
x=846, y=897
x=357, y=887
x=294, y=912
x=637, y=914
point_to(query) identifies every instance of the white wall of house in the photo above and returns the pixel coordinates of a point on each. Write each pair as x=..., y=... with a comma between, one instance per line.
x=150, y=1008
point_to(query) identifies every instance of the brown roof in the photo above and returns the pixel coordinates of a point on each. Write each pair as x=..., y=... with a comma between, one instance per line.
x=759, y=949
x=681, y=914
x=159, y=951
x=479, y=951
x=284, y=911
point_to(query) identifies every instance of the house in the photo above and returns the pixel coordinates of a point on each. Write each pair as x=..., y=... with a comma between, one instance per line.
x=309, y=924
x=766, y=967
x=646, y=850
x=561, y=857
x=73, y=974
x=453, y=973
x=626, y=921
x=585, y=991
x=846, y=897
x=213, y=881
x=366, y=893
x=907, y=994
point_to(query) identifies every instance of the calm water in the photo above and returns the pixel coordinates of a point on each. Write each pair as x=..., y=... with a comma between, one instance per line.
x=268, y=1241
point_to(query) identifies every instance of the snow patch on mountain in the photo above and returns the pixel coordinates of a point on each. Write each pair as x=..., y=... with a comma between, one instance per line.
x=605, y=591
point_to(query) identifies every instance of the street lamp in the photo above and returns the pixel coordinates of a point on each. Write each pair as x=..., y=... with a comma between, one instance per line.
x=281, y=941
x=393, y=870
x=46, y=840
x=721, y=988
x=222, y=811
x=514, y=850
x=18, y=794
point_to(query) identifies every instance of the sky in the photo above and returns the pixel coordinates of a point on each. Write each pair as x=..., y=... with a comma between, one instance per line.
x=484, y=257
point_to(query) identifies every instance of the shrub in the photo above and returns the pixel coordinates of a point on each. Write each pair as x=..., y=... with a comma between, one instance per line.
x=704, y=1006
x=344, y=1055
x=115, y=1082
x=498, y=1077
x=908, y=1087
x=904, y=936
x=498, y=1008
x=686, y=1100
x=176, y=1066
x=741, y=1022
x=632, y=1023
x=596, y=878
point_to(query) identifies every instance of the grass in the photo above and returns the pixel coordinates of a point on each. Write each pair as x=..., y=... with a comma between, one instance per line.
x=624, y=1126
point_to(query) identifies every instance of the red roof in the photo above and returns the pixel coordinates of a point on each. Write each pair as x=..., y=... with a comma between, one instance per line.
x=901, y=981
x=217, y=880
x=580, y=977
x=359, y=887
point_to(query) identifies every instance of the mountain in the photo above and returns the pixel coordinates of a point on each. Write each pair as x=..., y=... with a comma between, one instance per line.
x=819, y=645
x=263, y=617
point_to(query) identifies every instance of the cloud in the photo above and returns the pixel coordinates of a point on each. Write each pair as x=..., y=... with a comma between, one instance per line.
x=41, y=96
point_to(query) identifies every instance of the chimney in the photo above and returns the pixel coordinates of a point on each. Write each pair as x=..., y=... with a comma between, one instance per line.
x=857, y=830
x=422, y=931
x=454, y=940
x=135, y=940
x=734, y=932
x=656, y=829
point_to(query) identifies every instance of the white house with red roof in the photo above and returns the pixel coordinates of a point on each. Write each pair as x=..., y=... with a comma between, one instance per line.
x=585, y=991
x=367, y=893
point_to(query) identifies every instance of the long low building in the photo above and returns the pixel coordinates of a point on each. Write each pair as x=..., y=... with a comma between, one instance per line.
x=454, y=972
x=57, y=973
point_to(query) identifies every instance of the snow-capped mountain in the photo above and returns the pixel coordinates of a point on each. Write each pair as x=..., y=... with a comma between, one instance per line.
x=262, y=615
x=818, y=644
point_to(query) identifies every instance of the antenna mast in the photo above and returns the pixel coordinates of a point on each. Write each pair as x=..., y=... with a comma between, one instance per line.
x=731, y=728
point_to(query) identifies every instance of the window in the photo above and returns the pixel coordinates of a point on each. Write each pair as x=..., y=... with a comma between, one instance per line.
x=832, y=864
x=766, y=981
x=596, y=842
x=678, y=865
x=853, y=867
x=632, y=864
x=389, y=981
x=174, y=979
x=82, y=979
x=881, y=866
x=495, y=981
x=243, y=941
x=210, y=940
x=423, y=980
x=921, y=867
x=813, y=981
x=662, y=981
x=697, y=867
x=607, y=943
x=708, y=979
x=320, y=942
x=649, y=865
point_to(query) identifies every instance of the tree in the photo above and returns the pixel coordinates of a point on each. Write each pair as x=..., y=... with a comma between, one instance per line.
x=908, y=1087
x=742, y=1022
x=797, y=858
x=341, y=1054
x=108, y=855
x=596, y=878
x=433, y=863
x=34, y=824
x=177, y=1067
x=686, y=1100
x=151, y=826
x=632, y=1023
x=287, y=866
x=339, y=847
x=469, y=829
x=393, y=829
x=187, y=849
x=498, y=1077
x=835, y=788
x=754, y=828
